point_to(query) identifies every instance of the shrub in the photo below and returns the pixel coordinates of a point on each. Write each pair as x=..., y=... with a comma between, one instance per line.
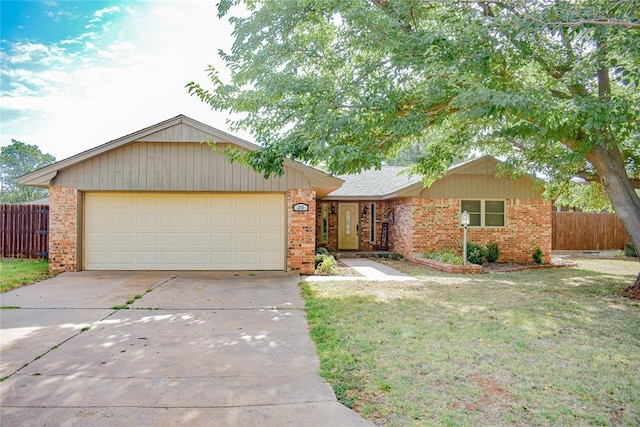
x=326, y=264
x=537, y=256
x=493, y=252
x=322, y=251
x=389, y=255
x=476, y=254
x=447, y=257
x=630, y=250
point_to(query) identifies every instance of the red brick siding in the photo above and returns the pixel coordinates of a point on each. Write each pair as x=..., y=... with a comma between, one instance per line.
x=301, y=232
x=63, y=229
x=528, y=226
x=401, y=231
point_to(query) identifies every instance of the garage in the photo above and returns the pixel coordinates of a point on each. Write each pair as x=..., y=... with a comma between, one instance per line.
x=169, y=197
x=181, y=231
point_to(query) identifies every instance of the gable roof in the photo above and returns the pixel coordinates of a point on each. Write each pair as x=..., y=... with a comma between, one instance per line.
x=171, y=130
x=390, y=182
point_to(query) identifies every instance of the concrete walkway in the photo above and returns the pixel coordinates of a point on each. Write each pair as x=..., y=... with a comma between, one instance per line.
x=370, y=270
x=195, y=348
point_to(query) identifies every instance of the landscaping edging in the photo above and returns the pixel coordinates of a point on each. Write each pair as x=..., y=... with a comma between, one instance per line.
x=478, y=269
x=448, y=268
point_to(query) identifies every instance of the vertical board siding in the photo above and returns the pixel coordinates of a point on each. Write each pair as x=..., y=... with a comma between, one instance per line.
x=24, y=232
x=588, y=231
x=468, y=186
x=172, y=166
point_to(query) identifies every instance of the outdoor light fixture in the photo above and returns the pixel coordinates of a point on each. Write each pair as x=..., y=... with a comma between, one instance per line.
x=464, y=222
x=333, y=209
x=365, y=210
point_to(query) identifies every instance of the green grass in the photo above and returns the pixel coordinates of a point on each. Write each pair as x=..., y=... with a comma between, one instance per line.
x=539, y=347
x=20, y=272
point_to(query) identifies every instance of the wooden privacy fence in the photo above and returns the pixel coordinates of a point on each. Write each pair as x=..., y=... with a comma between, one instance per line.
x=25, y=231
x=588, y=231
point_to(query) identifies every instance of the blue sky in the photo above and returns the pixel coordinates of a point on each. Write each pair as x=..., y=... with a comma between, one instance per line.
x=77, y=74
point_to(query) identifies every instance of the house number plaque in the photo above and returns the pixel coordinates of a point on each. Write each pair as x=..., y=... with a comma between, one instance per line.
x=300, y=207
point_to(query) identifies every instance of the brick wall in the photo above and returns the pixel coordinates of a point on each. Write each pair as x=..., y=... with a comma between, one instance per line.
x=63, y=229
x=401, y=231
x=436, y=228
x=301, y=232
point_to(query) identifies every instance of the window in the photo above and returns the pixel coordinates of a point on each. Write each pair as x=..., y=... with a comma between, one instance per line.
x=484, y=213
x=372, y=223
x=324, y=229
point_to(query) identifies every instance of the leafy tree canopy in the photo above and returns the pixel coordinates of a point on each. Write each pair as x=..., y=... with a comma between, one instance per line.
x=18, y=159
x=550, y=85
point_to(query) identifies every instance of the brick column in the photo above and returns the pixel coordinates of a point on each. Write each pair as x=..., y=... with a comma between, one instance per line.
x=63, y=229
x=301, y=232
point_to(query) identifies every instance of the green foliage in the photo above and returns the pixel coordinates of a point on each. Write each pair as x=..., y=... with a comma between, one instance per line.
x=447, y=257
x=538, y=256
x=326, y=264
x=552, y=87
x=493, y=252
x=389, y=255
x=630, y=250
x=476, y=254
x=18, y=159
x=321, y=250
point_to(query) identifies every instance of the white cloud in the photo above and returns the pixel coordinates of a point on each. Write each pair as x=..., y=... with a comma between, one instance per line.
x=119, y=85
x=100, y=13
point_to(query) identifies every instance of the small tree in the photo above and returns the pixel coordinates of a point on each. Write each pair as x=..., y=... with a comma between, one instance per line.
x=18, y=159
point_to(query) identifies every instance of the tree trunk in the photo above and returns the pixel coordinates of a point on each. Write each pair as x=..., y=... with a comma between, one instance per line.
x=625, y=201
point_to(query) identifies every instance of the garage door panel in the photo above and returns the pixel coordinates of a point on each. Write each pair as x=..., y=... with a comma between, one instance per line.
x=122, y=239
x=222, y=220
x=247, y=220
x=147, y=258
x=197, y=220
x=184, y=231
x=147, y=220
x=244, y=240
x=147, y=202
x=197, y=240
x=198, y=257
x=123, y=257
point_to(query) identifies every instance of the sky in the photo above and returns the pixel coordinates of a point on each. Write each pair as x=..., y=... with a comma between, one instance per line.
x=77, y=74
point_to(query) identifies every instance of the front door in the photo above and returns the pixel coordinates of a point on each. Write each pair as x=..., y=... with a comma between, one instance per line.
x=348, y=226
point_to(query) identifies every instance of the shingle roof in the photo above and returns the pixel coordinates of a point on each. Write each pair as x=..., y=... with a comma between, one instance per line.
x=375, y=183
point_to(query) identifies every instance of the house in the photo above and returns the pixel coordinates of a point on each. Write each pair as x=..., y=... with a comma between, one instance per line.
x=161, y=199
x=386, y=209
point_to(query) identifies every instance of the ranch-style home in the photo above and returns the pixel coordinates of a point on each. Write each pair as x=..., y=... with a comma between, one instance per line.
x=161, y=199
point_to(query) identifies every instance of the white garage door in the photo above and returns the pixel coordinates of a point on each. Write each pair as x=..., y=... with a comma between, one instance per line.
x=175, y=231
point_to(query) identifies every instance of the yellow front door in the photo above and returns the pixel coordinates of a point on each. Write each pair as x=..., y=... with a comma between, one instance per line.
x=348, y=226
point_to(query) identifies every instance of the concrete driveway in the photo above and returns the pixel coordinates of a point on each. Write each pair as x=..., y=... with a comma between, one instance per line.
x=194, y=348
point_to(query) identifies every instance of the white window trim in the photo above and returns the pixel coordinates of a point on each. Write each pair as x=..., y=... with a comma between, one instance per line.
x=483, y=213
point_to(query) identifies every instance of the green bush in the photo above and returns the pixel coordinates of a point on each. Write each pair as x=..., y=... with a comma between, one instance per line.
x=322, y=251
x=476, y=254
x=537, y=256
x=326, y=264
x=447, y=257
x=389, y=255
x=493, y=252
x=630, y=250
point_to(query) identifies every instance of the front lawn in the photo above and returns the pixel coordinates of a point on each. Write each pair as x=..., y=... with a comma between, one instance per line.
x=18, y=272
x=541, y=347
